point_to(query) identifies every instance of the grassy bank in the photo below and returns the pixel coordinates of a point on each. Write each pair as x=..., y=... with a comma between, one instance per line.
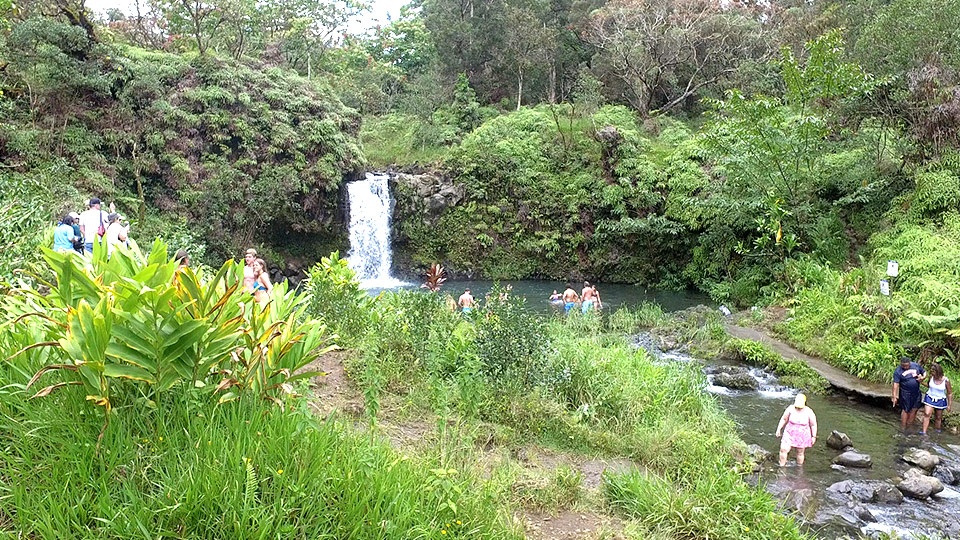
x=842, y=316
x=228, y=449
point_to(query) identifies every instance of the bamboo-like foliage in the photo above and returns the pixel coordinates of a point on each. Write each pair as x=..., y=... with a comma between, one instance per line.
x=139, y=320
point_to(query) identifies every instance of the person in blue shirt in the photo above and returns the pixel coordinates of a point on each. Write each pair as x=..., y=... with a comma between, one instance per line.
x=906, y=390
x=63, y=236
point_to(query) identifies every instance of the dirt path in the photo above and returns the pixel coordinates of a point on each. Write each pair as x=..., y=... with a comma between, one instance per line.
x=332, y=392
x=835, y=376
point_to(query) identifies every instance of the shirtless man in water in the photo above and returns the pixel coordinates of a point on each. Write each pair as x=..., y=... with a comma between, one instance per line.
x=589, y=297
x=570, y=298
x=249, y=257
x=466, y=301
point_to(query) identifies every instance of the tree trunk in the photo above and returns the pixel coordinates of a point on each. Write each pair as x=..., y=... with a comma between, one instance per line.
x=519, y=87
x=552, y=91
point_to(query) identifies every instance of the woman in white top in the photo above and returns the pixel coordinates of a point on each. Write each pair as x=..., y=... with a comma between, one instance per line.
x=939, y=398
x=116, y=233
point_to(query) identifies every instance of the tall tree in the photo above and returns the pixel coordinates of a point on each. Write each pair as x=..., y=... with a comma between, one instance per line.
x=661, y=53
x=528, y=43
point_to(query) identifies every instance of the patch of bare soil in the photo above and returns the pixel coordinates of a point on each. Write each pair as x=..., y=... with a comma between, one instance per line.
x=570, y=525
x=593, y=470
x=331, y=389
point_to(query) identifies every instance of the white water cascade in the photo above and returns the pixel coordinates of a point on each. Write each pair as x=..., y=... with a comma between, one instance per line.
x=370, y=254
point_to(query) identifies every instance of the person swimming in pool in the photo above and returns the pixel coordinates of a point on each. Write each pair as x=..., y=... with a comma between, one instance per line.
x=466, y=302
x=570, y=298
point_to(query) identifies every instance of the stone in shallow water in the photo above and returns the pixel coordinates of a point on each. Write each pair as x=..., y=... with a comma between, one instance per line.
x=737, y=381
x=870, y=491
x=918, y=485
x=839, y=440
x=921, y=458
x=854, y=459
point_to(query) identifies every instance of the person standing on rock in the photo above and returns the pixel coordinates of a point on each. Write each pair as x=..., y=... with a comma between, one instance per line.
x=939, y=398
x=798, y=425
x=906, y=390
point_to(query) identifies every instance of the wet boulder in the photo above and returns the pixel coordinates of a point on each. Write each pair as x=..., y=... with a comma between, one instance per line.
x=947, y=471
x=853, y=458
x=918, y=485
x=839, y=440
x=758, y=455
x=921, y=458
x=868, y=491
x=736, y=381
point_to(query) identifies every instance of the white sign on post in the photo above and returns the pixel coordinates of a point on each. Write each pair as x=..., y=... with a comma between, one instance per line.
x=884, y=287
x=893, y=268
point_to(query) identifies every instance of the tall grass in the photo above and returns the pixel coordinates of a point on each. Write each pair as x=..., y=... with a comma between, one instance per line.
x=181, y=463
x=239, y=470
x=583, y=390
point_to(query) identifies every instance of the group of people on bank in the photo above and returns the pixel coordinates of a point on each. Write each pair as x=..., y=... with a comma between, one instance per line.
x=79, y=232
x=797, y=429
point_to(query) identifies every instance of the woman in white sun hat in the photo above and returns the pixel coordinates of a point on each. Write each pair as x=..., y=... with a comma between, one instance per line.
x=799, y=428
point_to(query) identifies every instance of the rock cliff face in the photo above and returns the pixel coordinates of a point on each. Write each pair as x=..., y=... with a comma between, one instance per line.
x=427, y=194
x=420, y=199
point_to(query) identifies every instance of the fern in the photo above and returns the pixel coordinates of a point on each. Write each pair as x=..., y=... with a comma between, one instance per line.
x=250, y=486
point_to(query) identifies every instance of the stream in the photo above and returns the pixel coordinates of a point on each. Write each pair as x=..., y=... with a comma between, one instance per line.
x=873, y=430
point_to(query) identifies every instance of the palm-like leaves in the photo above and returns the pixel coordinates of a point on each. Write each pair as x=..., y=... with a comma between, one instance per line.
x=436, y=276
x=139, y=320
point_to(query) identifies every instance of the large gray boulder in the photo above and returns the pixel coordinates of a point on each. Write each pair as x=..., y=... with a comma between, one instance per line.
x=838, y=440
x=736, y=381
x=921, y=458
x=758, y=455
x=918, y=485
x=852, y=458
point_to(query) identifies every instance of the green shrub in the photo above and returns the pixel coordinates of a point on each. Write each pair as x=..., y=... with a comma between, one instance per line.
x=795, y=373
x=336, y=297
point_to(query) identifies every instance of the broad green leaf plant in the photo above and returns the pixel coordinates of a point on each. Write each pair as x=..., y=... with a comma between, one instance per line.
x=140, y=322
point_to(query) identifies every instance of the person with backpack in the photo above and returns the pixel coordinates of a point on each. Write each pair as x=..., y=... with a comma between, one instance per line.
x=77, y=234
x=63, y=236
x=93, y=224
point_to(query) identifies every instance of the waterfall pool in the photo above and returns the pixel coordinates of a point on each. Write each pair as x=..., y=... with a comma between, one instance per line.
x=537, y=294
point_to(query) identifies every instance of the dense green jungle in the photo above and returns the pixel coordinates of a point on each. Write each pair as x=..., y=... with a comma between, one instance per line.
x=773, y=154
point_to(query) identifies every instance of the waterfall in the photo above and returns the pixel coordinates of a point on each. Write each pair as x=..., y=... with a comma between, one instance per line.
x=370, y=254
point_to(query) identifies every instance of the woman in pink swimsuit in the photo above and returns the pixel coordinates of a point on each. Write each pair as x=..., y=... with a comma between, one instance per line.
x=799, y=428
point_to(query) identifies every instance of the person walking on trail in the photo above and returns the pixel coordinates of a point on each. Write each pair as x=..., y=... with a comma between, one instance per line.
x=93, y=224
x=570, y=299
x=63, y=236
x=466, y=302
x=939, y=398
x=906, y=390
x=116, y=233
x=249, y=277
x=798, y=427
x=77, y=233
